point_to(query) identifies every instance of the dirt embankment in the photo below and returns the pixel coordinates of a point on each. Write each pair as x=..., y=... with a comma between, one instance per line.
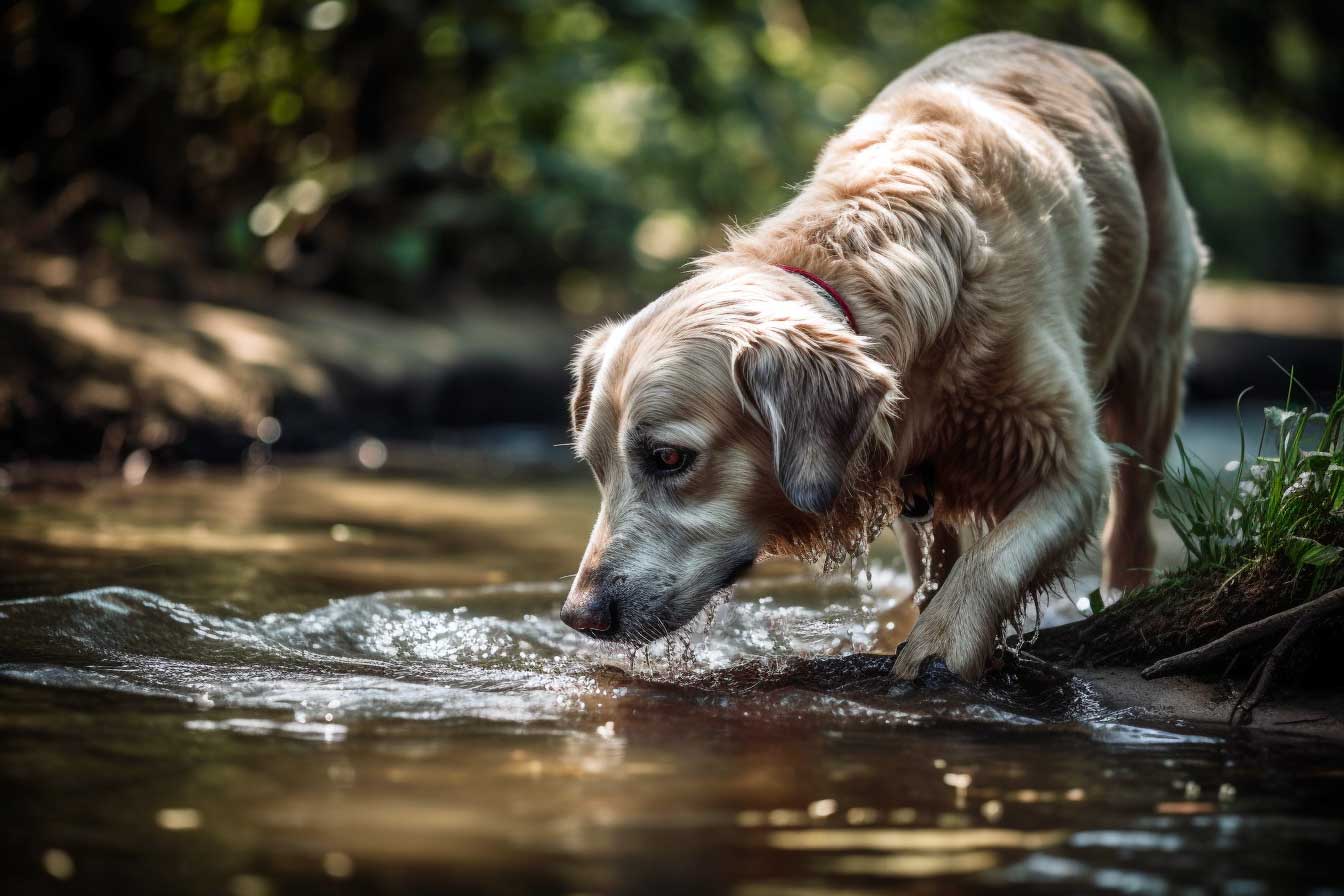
x=1297, y=709
x=1263, y=653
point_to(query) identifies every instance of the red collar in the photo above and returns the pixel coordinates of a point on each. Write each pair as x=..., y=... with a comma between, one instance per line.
x=826, y=288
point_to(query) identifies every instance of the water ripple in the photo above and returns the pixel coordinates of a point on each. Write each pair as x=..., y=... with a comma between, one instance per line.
x=434, y=655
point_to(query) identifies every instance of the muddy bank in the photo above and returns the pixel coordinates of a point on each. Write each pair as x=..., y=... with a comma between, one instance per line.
x=1049, y=688
x=1306, y=702
x=1319, y=713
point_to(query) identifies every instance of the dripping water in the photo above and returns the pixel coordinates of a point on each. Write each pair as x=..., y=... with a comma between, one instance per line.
x=675, y=655
x=928, y=585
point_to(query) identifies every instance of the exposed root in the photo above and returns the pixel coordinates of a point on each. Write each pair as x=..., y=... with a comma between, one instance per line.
x=1258, y=684
x=1193, y=609
x=1287, y=620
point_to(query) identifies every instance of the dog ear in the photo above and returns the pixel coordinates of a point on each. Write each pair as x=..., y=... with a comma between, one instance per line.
x=583, y=369
x=817, y=398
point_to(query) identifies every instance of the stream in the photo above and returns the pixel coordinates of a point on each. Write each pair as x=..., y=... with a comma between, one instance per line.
x=320, y=679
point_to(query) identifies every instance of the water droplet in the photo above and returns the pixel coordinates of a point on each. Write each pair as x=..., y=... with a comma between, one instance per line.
x=268, y=430
x=903, y=816
x=779, y=818
x=338, y=865
x=861, y=815
x=927, y=585
x=249, y=885
x=58, y=863
x=822, y=808
x=178, y=819
x=135, y=467
x=371, y=454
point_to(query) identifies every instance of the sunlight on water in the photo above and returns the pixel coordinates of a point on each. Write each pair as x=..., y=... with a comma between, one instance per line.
x=228, y=728
x=435, y=655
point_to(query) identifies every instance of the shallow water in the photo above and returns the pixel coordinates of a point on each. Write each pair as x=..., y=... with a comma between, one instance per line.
x=217, y=722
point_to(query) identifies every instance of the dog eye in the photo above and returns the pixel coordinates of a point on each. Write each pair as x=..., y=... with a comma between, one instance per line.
x=667, y=459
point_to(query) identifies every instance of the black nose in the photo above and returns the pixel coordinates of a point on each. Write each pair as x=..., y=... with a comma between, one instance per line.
x=587, y=611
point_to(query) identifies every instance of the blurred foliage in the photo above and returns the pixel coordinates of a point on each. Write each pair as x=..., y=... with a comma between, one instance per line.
x=415, y=153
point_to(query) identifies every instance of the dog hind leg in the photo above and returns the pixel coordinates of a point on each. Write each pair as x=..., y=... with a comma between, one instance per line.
x=1144, y=391
x=1141, y=416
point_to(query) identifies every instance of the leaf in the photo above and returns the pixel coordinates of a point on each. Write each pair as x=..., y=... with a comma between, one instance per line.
x=1124, y=450
x=1317, y=461
x=1095, y=602
x=1308, y=552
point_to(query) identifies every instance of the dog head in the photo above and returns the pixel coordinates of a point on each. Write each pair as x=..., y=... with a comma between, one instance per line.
x=720, y=422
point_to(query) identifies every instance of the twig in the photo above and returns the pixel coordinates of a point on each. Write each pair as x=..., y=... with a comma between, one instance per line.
x=1260, y=680
x=1327, y=603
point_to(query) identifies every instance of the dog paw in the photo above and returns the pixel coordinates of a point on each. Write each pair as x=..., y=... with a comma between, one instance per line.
x=936, y=651
x=934, y=674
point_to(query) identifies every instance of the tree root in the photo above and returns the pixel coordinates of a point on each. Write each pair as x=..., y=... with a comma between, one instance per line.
x=1258, y=684
x=1330, y=602
x=1297, y=621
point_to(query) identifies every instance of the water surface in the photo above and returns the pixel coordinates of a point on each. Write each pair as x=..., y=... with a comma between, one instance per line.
x=317, y=680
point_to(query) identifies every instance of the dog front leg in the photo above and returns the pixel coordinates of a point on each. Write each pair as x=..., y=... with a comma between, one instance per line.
x=988, y=583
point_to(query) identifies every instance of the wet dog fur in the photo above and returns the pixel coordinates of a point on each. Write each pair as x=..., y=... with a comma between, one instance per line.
x=1006, y=224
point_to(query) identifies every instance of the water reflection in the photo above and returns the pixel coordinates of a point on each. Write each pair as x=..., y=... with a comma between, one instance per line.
x=459, y=738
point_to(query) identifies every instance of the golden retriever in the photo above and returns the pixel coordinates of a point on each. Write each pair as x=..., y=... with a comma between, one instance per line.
x=986, y=280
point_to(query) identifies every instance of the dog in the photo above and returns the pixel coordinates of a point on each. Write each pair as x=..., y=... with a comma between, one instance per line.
x=984, y=284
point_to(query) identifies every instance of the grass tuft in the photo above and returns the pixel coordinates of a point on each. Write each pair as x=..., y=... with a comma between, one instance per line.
x=1286, y=501
x=1264, y=534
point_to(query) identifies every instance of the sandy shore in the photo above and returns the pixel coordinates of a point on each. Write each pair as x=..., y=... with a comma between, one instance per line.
x=1318, y=714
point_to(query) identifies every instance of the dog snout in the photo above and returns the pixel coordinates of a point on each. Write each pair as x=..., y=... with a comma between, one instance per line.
x=587, y=611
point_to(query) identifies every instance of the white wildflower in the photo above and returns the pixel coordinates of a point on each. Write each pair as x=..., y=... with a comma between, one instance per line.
x=1303, y=483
